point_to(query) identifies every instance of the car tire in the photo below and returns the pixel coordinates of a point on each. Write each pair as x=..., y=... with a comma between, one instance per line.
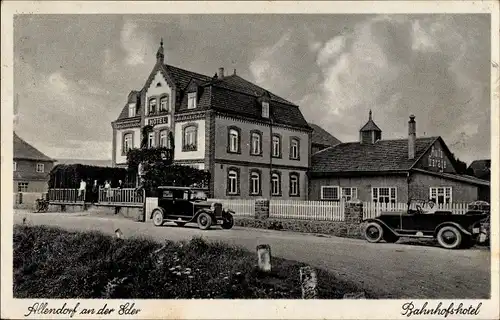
x=157, y=217
x=374, y=232
x=449, y=237
x=390, y=237
x=180, y=224
x=228, y=222
x=204, y=221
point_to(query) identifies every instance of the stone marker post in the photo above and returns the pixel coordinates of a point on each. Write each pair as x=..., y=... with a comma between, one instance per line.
x=264, y=257
x=261, y=209
x=308, y=282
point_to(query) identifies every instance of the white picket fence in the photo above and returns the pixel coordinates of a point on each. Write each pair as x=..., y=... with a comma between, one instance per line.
x=241, y=208
x=371, y=209
x=289, y=209
x=306, y=210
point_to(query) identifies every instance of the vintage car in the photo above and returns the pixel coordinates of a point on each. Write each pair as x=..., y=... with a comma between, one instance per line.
x=183, y=205
x=451, y=231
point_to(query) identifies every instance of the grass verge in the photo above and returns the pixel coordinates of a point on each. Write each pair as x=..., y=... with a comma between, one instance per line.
x=54, y=263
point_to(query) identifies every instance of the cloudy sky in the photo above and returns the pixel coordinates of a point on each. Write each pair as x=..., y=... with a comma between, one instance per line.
x=73, y=73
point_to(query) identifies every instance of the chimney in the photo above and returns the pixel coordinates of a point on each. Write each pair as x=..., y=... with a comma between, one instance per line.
x=412, y=137
x=221, y=73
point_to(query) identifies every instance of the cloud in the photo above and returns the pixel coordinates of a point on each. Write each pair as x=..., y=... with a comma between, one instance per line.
x=264, y=69
x=135, y=43
x=397, y=66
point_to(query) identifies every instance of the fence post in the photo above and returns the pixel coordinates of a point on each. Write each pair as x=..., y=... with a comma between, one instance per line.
x=264, y=257
x=308, y=282
x=353, y=211
x=261, y=209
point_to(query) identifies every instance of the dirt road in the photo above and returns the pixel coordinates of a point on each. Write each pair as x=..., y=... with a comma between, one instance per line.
x=402, y=271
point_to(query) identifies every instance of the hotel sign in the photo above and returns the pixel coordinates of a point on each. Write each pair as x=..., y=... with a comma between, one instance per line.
x=155, y=121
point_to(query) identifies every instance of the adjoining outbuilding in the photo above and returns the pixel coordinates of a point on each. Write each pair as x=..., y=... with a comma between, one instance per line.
x=392, y=171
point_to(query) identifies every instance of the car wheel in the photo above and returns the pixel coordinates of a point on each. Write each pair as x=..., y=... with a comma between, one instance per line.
x=204, y=221
x=228, y=222
x=180, y=224
x=373, y=232
x=157, y=217
x=390, y=237
x=449, y=237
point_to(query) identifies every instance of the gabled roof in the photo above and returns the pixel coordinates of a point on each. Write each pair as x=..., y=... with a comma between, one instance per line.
x=384, y=155
x=181, y=77
x=322, y=137
x=237, y=83
x=230, y=94
x=238, y=103
x=24, y=150
x=370, y=126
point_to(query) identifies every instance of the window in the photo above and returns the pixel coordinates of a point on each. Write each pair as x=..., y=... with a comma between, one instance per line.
x=14, y=166
x=163, y=138
x=294, y=185
x=233, y=181
x=255, y=183
x=275, y=184
x=384, y=195
x=40, y=167
x=349, y=194
x=265, y=109
x=152, y=105
x=164, y=104
x=276, y=151
x=294, y=149
x=329, y=193
x=131, y=110
x=256, y=143
x=190, y=138
x=191, y=100
x=233, y=140
x=151, y=140
x=127, y=142
x=440, y=195
x=22, y=187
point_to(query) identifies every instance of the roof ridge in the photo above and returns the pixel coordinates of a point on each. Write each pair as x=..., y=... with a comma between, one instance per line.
x=196, y=73
x=290, y=104
x=272, y=93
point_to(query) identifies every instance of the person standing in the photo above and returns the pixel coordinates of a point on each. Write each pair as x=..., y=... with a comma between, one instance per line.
x=95, y=192
x=83, y=187
x=107, y=189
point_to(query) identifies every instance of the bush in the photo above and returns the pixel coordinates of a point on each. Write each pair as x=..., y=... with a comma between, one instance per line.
x=52, y=263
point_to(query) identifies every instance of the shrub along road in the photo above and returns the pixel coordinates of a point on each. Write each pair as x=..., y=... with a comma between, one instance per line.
x=398, y=270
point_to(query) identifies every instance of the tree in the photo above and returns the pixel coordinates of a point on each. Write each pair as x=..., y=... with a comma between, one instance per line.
x=158, y=167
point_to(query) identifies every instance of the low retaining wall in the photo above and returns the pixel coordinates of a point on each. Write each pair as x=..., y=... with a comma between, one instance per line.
x=132, y=213
x=351, y=227
x=334, y=228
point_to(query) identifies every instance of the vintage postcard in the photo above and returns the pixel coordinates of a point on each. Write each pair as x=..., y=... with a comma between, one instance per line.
x=250, y=160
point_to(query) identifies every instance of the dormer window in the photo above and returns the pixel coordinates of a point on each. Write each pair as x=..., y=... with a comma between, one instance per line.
x=131, y=110
x=152, y=105
x=265, y=109
x=191, y=100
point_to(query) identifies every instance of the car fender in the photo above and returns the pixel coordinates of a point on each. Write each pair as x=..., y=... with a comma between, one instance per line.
x=451, y=223
x=210, y=213
x=159, y=208
x=382, y=223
